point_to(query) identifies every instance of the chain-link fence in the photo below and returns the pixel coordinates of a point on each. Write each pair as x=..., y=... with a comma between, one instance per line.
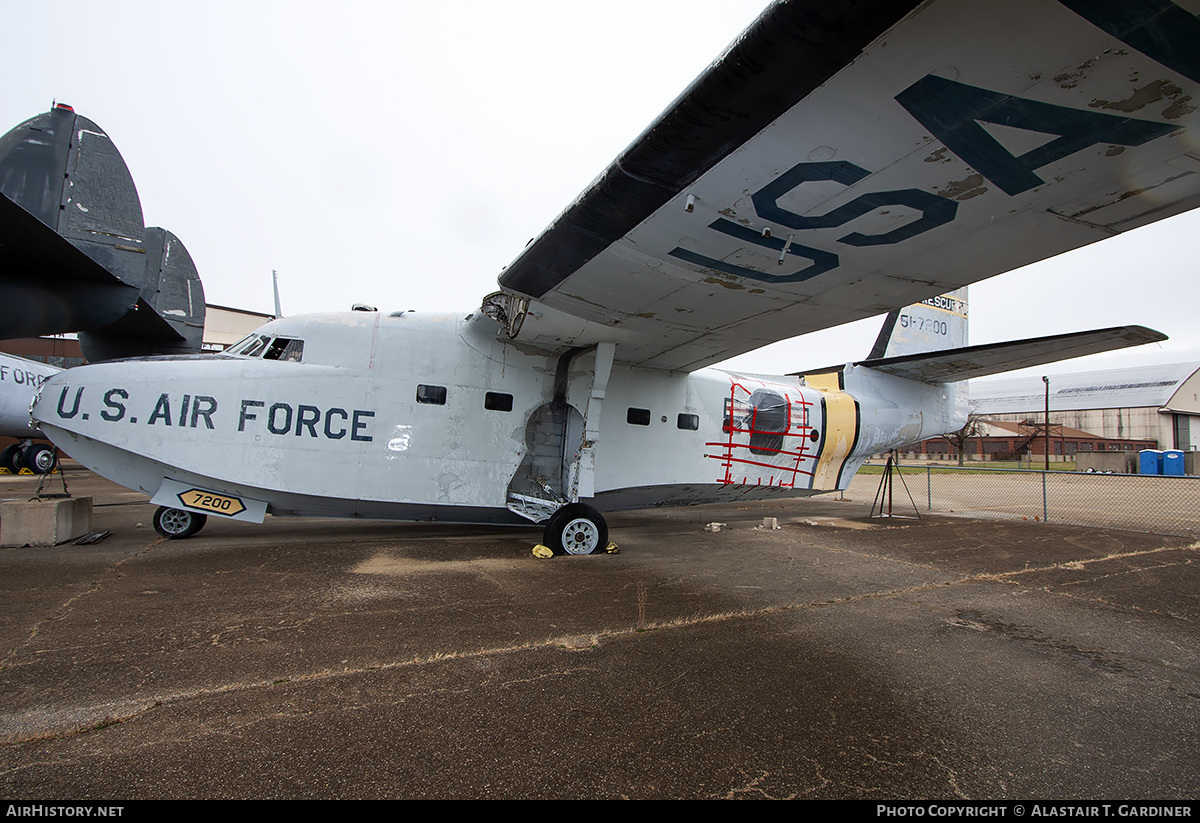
x=1145, y=503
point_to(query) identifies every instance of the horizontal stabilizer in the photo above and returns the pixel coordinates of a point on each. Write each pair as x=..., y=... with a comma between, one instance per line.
x=50, y=286
x=971, y=362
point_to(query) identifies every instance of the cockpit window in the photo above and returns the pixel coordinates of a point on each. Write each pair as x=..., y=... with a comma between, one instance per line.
x=233, y=349
x=260, y=345
x=283, y=348
x=252, y=346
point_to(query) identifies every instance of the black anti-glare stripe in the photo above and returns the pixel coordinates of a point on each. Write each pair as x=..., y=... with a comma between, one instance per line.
x=790, y=51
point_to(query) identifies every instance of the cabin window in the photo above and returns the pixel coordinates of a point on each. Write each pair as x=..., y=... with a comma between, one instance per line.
x=498, y=401
x=737, y=415
x=638, y=417
x=433, y=395
x=768, y=422
x=286, y=349
x=688, y=422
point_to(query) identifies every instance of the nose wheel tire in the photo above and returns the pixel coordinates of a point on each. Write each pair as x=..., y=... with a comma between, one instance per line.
x=177, y=524
x=576, y=529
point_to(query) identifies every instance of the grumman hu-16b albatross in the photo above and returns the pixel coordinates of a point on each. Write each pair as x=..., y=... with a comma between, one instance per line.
x=838, y=161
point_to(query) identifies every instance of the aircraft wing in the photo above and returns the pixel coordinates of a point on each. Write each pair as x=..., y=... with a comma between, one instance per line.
x=843, y=159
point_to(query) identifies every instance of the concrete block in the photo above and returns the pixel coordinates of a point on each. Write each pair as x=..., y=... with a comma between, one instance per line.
x=44, y=522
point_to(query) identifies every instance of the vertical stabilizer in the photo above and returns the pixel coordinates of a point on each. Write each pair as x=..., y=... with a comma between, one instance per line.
x=936, y=324
x=75, y=254
x=933, y=325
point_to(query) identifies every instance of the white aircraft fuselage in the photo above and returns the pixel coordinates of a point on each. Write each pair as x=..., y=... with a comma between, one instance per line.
x=431, y=417
x=19, y=381
x=839, y=161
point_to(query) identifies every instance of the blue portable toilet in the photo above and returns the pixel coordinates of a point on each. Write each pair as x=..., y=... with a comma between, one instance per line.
x=1150, y=461
x=1172, y=462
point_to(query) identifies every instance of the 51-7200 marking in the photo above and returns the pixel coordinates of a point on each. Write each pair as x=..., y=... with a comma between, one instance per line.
x=924, y=324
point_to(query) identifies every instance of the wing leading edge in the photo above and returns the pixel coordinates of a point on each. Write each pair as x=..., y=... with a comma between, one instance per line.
x=840, y=161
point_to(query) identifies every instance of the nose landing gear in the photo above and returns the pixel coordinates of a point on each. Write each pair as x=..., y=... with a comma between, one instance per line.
x=177, y=524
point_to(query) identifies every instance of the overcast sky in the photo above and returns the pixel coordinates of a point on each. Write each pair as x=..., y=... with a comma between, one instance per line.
x=401, y=154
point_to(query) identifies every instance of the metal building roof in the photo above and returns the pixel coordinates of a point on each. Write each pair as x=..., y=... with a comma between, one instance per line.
x=1146, y=386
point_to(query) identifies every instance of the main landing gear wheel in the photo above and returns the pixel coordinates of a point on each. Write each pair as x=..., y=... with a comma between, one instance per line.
x=576, y=529
x=9, y=458
x=40, y=458
x=177, y=523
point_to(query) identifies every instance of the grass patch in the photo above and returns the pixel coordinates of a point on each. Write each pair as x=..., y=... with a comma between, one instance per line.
x=968, y=466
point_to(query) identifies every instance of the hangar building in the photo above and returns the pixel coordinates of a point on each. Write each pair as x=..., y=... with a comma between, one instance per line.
x=1159, y=403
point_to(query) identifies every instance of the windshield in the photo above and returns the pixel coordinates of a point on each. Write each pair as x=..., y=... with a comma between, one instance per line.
x=287, y=349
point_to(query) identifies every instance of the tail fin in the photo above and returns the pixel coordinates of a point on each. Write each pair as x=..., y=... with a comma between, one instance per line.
x=75, y=253
x=936, y=324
